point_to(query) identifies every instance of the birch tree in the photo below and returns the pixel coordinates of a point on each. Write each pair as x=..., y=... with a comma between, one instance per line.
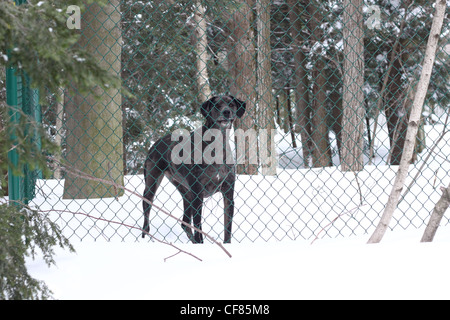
x=201, y=48
x=414, y=121
x=436, y=217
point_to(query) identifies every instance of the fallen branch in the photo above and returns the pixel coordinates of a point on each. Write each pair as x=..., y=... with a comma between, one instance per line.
x=125, y=225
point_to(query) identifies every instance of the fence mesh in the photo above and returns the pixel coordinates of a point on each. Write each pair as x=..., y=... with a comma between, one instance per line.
x=333, y=80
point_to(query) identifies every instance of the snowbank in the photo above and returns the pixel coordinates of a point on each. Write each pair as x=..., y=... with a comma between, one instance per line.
x=398, y=268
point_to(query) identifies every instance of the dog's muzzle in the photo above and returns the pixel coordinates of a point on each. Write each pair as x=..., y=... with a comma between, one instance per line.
x=225, y=123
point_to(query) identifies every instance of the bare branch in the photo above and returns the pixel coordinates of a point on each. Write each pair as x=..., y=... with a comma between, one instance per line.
x=337, y=217
x=123, y=224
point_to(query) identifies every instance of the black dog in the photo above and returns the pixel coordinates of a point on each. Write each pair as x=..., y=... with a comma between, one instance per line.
x=194, y=175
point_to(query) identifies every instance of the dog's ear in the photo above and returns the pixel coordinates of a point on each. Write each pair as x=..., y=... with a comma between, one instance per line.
x=240, y=106
x=206, y=107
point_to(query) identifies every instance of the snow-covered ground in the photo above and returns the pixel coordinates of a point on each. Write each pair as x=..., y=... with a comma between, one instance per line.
x=398, y=268
x=277, y=218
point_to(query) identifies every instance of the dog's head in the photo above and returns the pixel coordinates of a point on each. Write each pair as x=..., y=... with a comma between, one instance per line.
x=221, y=111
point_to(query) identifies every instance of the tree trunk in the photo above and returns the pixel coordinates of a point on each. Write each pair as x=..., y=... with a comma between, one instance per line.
x=241, y=59
x=387, y=77
x=436, y=217
x=94, y=121
x=414, y=121
x=201, y=48
x=266, y=112
x=353, y=96
x=396, y=113
x=321, y=155
x=281, y=106
x=300, y=80
x=336, y=114
x=290, y=120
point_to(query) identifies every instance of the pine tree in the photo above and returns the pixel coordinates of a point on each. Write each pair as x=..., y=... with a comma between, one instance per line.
x=94, y=121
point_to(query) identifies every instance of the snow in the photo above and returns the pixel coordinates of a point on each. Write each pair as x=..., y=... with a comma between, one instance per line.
x=300, y=235
x=398, y=268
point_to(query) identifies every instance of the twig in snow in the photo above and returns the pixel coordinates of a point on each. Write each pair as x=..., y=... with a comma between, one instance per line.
x=359, y=189
x=100, y=231
x=332, y=221
x=173, y=255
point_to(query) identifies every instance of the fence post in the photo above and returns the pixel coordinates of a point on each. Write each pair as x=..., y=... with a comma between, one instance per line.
x=21, y=181
x=14, y=181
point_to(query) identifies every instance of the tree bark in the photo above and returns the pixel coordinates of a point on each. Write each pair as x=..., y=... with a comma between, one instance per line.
x=352, y=132
x=414, y=121
x=241, y=59
x=436, y=217
x=387, y=77
x=266, y=111
x=201, y=48
x=321, y=155
x=396, y=113
x=300, y=80
x=94, y=121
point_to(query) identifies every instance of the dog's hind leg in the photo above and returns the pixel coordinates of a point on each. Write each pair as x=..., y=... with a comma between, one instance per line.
x=153, y=176
x=197, y=219
x=187, y=219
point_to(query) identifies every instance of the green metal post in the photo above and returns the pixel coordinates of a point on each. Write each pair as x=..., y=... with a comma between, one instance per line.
x=20, y=97
x=13, y=86
x=30, y=107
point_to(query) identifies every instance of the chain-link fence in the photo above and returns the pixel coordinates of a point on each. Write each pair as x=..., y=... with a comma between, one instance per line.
x=328, y=87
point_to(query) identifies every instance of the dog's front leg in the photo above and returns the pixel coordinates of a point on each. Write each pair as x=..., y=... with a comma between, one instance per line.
x=193, y=204
x=197, y=218
x=228, y=203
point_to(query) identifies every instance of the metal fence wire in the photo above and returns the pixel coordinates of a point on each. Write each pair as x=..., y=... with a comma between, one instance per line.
x=328, y=87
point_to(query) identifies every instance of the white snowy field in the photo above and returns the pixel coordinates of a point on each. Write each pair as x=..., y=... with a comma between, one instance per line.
x=398, y=268
x=275, y=222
